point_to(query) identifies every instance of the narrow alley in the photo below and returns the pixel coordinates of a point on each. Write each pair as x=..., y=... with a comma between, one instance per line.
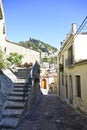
x=51, y=113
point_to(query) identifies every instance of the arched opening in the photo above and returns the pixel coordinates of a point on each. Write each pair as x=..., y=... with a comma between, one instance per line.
x=43, y=83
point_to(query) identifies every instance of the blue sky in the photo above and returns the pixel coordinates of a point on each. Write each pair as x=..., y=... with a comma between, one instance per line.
x=45, y=20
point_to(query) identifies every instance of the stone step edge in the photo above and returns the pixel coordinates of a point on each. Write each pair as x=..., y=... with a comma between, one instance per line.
x=9, y=122
x=12, y=113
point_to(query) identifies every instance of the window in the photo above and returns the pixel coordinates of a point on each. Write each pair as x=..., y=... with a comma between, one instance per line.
x=63, y=61
x=62, y=79
x=5, y=49
x=61, y=65
x=78, y=86
x=70, y=55
x=70, y=89
x=1, y=16
x=66, y=85
x=3, y=28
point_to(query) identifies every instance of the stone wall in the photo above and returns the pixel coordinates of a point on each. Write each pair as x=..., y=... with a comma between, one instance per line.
x=6, y=85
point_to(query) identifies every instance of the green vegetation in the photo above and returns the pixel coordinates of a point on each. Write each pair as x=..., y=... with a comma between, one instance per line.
x=37, y=45
x=3, y=64
x=51, y=60
x=15, y=58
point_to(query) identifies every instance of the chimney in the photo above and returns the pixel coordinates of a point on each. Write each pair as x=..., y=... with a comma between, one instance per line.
x=73, y=28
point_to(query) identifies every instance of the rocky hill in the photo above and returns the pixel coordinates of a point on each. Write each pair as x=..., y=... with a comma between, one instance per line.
x=38, y=45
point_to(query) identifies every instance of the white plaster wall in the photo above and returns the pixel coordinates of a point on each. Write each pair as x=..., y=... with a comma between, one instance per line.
x=80, y=47
x=51, y=80
x=81, y=70
x=29, y=55
x=2, y=22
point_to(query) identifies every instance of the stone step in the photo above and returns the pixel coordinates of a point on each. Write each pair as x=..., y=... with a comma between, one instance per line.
x=16, y=113
x=17, y=98
x=17, y=93
x=16, y=105
x=21, y=84
x=21, y=89
x=7, y=129
x=9, y=123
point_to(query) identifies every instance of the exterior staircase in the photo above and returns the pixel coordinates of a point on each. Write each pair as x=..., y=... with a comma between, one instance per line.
x=20, y=99
x=22, y=73
x=15, y=107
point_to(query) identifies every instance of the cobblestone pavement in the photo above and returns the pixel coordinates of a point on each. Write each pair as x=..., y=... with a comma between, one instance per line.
x=50, y=113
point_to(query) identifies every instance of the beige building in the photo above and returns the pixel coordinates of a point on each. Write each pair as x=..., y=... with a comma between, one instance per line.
x=2, y=28
x=73, y=69
x=29, y=55
x=48, y=81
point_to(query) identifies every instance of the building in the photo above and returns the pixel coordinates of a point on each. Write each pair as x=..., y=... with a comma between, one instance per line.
x=29, y=55
x=8, y=47
x=48, y=81
x=72, y=68
x=2, y=28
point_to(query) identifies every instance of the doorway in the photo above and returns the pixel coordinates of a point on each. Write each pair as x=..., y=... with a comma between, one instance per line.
x=44, y=84
x=70, y=89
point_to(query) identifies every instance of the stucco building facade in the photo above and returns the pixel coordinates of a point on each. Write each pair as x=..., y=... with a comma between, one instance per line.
x=72, y=67
x=29, y=55
x=2, y=28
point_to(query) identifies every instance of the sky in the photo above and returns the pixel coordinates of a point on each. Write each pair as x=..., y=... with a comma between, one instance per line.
x=46, y=20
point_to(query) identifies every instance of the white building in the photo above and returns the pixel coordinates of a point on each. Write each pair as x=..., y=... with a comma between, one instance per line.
x=2, y=28
x=73, y=68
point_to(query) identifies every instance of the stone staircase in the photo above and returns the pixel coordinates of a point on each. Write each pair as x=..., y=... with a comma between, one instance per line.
x=15, y=106
x=20, y=99
x=22, y=73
